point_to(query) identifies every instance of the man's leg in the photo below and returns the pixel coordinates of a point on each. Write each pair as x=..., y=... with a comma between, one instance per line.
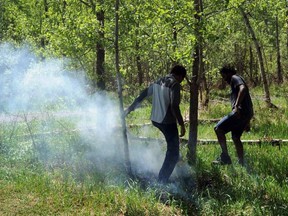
x=224, y=157
x=224, y=126
x=170, y=131
x=239, y=149
x=236, y=137
x=221, y=139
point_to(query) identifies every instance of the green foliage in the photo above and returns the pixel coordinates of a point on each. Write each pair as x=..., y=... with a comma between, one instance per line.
x=153, y=34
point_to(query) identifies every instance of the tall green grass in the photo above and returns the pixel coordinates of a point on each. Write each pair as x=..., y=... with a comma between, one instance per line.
x=47, y=172
x=258, y=188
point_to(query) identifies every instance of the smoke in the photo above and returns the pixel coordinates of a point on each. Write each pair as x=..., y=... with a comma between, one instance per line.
x=66, y=124
x=51, y=99
x=147, y=157
x=29, y=84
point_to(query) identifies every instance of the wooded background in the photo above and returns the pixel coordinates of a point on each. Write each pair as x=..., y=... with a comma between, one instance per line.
x=152, y=36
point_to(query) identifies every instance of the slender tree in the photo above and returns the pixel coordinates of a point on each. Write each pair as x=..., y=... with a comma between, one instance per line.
x=194, y=85
x=279, y=66
x=286, y=18
x=138, y=57
x=2, y=20
x=100, y=50
x=43, y=40
x=99, y=62
x=123, y=122
x=260, y=58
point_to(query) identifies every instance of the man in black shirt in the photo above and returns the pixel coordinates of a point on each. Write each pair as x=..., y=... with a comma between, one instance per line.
x=236, y=121
x=165, y=114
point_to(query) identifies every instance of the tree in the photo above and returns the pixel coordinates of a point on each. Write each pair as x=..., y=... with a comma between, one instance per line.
x=43, y=40
x=117, y=67
x=157, y=34
x=279, y=66
x=260, y=58
x=3, y=21
x=194, y=85
x=99, y=62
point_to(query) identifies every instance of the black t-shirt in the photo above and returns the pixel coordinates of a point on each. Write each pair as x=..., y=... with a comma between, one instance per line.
x=246, y=106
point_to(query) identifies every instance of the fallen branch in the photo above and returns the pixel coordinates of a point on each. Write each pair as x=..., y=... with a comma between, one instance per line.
x=201, y=121
x=273, y=142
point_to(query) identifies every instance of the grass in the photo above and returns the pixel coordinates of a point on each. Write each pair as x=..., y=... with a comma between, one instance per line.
x=28, y=188
x=258, y=189
x=44, y=173
x=41, y=195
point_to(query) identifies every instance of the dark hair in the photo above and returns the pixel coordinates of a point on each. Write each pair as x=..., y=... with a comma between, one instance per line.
x=228, y=69
x=179, y=70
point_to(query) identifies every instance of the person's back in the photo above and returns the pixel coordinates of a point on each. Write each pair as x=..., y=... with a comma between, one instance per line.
x=163, y=92
x=246, y=107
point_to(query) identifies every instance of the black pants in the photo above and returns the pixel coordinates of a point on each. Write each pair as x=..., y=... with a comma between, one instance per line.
x=170, y=131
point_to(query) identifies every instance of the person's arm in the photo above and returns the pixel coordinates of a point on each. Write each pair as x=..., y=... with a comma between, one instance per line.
x=145, y=93
x=175, y=102
x=241, y=94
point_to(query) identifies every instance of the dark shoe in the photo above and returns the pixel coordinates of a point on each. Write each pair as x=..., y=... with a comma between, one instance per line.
x=224, y=159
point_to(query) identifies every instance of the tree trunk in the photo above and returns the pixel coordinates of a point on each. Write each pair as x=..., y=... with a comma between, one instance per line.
x=286, y=29
x=194, y=86
x=205, y=91
x=250, y=63
x=139, y=66
x=98, y=67
x=100, y=51
x=260, y=58
x=43, y=40
x=279, y=66
x=252, y=78
x=138, y=58
x=174, y=41
x=123, y=122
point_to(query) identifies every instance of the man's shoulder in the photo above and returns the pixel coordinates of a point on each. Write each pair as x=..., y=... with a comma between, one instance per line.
x=237, y=79
x=236, y=76
x=167, y=81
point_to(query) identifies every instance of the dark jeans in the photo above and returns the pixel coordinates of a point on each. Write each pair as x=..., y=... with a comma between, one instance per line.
x=170, y=131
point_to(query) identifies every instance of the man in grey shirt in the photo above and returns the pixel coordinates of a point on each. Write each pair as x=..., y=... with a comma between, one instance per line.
x=165, y=114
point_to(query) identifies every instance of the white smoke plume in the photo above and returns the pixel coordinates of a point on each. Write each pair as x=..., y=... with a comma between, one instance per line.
x=45, y=90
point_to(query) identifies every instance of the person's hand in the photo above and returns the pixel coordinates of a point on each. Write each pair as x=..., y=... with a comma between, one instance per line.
x=182, y=130
x=236, y=110
x=126, y=112
x=247, y=127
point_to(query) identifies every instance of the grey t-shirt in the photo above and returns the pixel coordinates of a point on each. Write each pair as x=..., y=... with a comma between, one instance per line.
x=165, y=94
